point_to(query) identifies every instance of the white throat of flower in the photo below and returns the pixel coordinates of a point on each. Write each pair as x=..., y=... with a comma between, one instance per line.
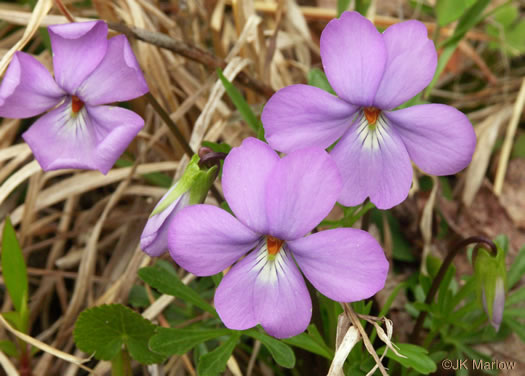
x=269, y=265
x=371, y=131
x=73, y=123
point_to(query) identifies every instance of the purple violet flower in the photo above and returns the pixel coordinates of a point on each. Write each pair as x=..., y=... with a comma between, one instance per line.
x=276, y=202
x=373, y=73
x=90, y=70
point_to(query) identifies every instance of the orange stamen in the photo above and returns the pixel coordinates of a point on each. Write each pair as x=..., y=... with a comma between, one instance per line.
x=76, y=104
x=273, y=245
x=371, y=114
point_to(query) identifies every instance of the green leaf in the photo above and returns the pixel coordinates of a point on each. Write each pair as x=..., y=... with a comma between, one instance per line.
x=362, y=6
x=317, y=78
x=466, y=22
x=170, y=284
x=103, y=330
x=214, y=362
x=517, y=269
x=450, y=10
x=517, y=327
x=170, y=341
x=281, y=352
x=515, y=297
x=342, y=5
x=312, y=342
x=138, y=297
x=507, y=29
x=416, y=358
x=14, y=267
x=240, y=103
x=471, y=18
x=13, y=318
x=216, y=147
x=9, y=348
x=402, y=248
x=391, y=298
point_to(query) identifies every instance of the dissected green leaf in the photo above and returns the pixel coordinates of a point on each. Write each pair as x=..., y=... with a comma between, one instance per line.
x=170, y=341
x=214, y=362
x=170, y=284
x=281, y=352
x=416, y=358
x=103, y=330
x=14, y=267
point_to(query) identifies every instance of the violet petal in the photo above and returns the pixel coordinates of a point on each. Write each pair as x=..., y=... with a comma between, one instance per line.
x=28, y=89
x=344, y=264
x=78, y=48
x=354, y=54
x=301, y=192
x=300, y=116
x=411, y=63
x=205, y=240
x=117, y=78
x=439, y=139
x=247, y=169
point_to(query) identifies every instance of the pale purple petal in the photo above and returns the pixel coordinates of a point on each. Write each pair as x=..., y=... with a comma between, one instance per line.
x=154, y=238
x=115, y=128
x=205, y=240
x=373, y=163
x=78, y=48
x=344, y=264
x=92, y=139
x=282, y=303
x=28, y=89
x=300, y=116
x=117, y=78
x=499, y=304
x=245, y=175
x=411, y=63
x=354, y=54
x=439, y=139
x=234, y=298
x=302, y=190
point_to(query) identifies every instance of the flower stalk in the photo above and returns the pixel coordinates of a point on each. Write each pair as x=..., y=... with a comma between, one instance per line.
x=414, y=336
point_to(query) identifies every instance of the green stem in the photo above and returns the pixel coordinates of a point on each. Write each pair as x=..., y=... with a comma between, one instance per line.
x=121, y=365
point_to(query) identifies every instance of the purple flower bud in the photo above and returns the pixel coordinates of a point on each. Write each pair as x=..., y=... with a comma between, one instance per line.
x=497, y=304
x=154, y=238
